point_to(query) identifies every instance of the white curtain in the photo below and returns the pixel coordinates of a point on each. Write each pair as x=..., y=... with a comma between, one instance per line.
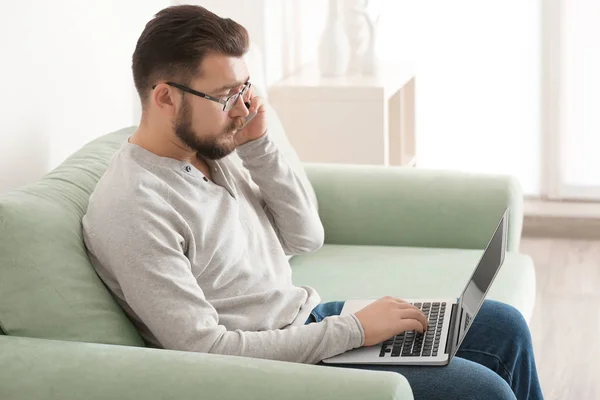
x=580, y=136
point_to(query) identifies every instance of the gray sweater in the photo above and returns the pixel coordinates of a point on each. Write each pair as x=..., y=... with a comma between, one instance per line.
x=201, y=265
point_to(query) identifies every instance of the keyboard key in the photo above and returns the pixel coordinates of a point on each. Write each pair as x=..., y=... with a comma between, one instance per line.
x=396, y=353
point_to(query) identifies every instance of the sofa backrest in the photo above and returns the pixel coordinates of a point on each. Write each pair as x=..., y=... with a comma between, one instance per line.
x=48, y=287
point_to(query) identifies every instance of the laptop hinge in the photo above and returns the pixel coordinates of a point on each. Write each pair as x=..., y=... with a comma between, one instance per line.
x=451, y=330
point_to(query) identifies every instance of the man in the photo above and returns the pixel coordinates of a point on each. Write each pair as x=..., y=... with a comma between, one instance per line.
x=194, y=248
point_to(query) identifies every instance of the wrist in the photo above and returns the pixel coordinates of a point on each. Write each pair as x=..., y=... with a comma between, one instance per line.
x=250, y=145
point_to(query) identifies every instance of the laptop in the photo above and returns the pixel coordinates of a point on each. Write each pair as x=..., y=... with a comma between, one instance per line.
x=449, y=318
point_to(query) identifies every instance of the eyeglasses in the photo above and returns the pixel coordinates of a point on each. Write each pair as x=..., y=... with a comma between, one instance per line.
x=228, y=103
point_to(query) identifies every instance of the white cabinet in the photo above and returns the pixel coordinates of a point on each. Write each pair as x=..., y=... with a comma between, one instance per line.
x=349, y=119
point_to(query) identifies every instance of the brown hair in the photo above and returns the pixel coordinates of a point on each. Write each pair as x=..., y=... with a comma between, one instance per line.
x=174, y=43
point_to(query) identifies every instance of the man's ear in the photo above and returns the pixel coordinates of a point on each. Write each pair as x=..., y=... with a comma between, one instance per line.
x=165, y=99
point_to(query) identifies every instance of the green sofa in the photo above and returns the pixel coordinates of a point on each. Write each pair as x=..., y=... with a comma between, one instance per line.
x=389, y=231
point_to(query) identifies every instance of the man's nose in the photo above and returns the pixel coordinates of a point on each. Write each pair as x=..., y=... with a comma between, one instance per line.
x=239, y=108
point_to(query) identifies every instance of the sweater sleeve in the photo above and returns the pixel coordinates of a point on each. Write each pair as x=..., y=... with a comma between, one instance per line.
x=145, y=253
x=295, y=219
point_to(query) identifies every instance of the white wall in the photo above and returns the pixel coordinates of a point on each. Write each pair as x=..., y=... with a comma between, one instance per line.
x=66, y=77
x=66, y=65
x=478, y=82
x=286, y=31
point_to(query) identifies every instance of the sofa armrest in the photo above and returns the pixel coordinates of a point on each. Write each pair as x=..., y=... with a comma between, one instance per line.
x=50, y=369
x=377, y=205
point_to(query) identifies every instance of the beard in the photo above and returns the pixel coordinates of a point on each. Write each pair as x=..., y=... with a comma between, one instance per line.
x=211, y=146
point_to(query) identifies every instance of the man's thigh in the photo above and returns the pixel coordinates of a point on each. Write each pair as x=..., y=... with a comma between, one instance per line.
x=461, y=379
x=324, y=310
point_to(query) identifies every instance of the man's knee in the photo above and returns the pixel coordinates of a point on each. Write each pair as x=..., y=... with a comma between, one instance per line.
x=474, y=381
x=508, y=319
x=495, y=388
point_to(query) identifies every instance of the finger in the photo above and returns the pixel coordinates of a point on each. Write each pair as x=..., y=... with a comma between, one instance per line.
x=256, y=103
x=406, y=306
x=416, y=315
x=410, y=325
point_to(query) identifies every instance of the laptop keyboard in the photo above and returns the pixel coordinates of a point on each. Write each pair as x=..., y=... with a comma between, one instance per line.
x=467, y=320
x=415, y=344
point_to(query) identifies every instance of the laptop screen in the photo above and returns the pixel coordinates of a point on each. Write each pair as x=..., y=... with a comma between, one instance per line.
x=472, y=297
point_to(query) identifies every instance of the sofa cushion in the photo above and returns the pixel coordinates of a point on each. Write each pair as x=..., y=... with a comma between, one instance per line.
x=48, y=287
x=342, y=272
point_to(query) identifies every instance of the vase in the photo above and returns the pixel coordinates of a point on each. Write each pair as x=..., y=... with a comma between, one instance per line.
x=361, y=28
x=370, y=60
x=333, y=51
x=357, y=31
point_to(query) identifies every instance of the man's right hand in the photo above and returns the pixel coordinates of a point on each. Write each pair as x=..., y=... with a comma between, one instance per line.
x=387, y=317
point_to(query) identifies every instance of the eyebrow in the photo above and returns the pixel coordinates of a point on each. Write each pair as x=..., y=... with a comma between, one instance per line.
x=231, y=86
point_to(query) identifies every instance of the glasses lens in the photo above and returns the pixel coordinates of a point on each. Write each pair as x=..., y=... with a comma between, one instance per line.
x=232, y=101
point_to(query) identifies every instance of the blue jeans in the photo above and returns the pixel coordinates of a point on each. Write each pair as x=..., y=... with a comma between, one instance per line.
x=495, y=361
